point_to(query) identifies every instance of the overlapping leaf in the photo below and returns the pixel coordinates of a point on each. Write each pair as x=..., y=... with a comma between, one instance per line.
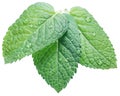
x=97, y=50
x=36, y=28
x=57, y=63
x=58, y=42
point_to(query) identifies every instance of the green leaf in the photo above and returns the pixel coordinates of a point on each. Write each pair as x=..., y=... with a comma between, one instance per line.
x=57, y=63
x=96, y=48
x=37, y=27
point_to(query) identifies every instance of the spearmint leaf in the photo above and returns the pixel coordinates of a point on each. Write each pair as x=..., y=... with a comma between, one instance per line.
x=57, y=63
x=37, y=27
x=96, y=48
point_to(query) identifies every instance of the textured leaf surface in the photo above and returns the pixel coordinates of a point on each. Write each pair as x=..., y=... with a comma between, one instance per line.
x=96, y=48
x=57, y=63
x=36, y=28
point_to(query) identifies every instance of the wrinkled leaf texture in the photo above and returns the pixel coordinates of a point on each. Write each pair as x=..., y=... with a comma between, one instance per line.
x=58, y=62
x=96, y=48
x=37, y=27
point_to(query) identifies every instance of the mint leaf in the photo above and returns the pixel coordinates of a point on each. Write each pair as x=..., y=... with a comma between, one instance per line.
x=96, y=48
x=37, y=27
x=57, y=63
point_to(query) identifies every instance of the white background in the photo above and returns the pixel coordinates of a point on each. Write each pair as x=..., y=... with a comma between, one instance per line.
x=21, y=78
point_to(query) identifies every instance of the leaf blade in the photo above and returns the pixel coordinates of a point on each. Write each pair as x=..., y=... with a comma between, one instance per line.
x=57, y=63
x=97, y=50
x=33, y=31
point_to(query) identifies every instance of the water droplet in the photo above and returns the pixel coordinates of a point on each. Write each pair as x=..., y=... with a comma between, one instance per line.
x=88, y=19
x=50, y=27
x=40, y=22
x=31, y=26
x=66, y=61
x=28, y=45
x=78, y=51
x=72, y=40
x=18, y=55
x=67, y=58
x=25, y=21
x=60, y=59
x=93, y=33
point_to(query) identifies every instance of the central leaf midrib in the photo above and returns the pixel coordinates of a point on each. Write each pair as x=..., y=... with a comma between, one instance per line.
x=57, y=61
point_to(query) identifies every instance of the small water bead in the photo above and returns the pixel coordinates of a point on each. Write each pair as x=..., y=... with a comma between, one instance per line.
x=50, y=27
x=93, y=33
x=66, y=61
x=67, y=58
x=71, y=40
x=25, y=21
x=31, y=25
x=39, y=23
x=60, y=59
x=88, y=19
x=28, y=45
x=78, y=51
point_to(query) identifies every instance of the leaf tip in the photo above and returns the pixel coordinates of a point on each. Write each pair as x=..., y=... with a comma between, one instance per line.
x=58, y=90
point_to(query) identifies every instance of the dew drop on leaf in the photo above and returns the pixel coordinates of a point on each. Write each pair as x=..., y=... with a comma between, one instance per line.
x=66, y=61
x=25, y=21
x=29, y=45
x=31, y=26
x=78, y=51
x=93, y=33
x=67, y=58
x=50, y=27
x=88, y=19
x=60, y=59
